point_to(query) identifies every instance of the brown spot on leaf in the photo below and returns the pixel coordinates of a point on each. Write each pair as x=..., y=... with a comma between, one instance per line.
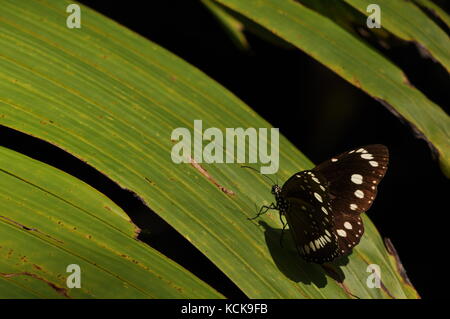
x=334, y=272
x=407, y=82
x=346, y=290
x=59, y=290
x=149, y=181
x=205, y=173
x=29, y=228
x=386, y=290
x=356, y=82
x=37, y=267
x=393, y=252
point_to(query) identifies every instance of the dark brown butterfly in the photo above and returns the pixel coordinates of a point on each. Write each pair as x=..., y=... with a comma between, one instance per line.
x=322, y=206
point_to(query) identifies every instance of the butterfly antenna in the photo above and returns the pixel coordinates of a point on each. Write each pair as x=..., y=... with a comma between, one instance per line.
x=271, y=180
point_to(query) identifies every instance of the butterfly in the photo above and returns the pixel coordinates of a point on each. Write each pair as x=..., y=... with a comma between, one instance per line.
x=322, y=206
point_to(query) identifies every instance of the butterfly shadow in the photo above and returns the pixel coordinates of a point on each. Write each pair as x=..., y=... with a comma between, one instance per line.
x=288, y=261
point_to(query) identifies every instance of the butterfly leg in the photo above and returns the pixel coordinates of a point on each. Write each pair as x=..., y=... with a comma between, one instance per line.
x=282, y=231
x=264, y=209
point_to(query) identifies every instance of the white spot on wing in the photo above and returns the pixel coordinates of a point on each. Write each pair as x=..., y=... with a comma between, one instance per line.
x=356, y=178
x=341, y=232
x=318, y=197
x=353, y=206
x=323, y=241
x=367, y=156
x=359, y=193
x=348, y=225
x=374, y=163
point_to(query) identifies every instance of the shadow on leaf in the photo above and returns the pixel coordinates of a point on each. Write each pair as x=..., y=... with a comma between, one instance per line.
x=289, y=262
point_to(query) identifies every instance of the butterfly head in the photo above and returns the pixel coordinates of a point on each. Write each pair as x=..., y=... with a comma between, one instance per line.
x=276, y=190
x=281, y=204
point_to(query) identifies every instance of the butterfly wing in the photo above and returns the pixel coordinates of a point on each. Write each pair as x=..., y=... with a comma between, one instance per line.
x=352, y=179
x=349, y=229
x=310, y=217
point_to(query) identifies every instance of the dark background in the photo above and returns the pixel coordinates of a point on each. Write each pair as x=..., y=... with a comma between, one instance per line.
x=315, y=109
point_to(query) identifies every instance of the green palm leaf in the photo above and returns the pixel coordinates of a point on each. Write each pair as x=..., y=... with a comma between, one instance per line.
x=112, y=99
x=408, y=22
x=360, y=65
